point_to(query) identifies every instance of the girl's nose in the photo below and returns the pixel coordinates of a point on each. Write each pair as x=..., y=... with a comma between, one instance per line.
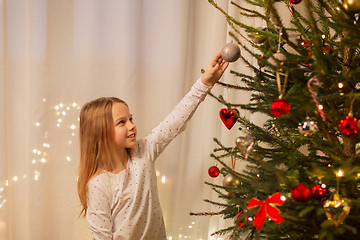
x=131, y=126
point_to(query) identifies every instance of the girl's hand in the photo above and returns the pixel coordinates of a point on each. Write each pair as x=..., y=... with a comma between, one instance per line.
x=214, y=70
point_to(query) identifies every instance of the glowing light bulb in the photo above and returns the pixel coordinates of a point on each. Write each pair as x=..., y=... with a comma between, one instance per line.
x=36, y=175
x=2, y=203
x=340, y=173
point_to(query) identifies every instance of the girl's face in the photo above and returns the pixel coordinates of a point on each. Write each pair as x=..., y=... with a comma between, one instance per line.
x=125, y=129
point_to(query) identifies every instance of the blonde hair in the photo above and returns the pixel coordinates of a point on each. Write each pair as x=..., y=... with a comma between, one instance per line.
x=97, y=147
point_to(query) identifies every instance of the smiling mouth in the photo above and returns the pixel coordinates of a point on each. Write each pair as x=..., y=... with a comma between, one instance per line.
x=132, y=135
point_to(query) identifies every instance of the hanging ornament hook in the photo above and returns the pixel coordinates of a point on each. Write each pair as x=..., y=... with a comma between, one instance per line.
x=233, y=158
x=351, y=114
x=279, y=43
x=278, y=81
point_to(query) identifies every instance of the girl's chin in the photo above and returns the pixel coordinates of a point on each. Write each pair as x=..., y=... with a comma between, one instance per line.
x=131, y=145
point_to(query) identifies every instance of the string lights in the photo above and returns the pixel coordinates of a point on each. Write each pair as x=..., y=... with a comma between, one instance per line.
x=67, y=119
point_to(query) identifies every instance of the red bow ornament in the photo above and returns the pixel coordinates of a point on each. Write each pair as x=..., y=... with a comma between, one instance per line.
x=266, y=209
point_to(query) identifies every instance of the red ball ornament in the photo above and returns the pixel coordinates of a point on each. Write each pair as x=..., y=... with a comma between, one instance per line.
x=241, y=221
x=300, y=192
x=306, y=45
x=280, y=107
x=214, y=171
x=262, y=61
x=327, y=48
x=318, y=191
x=303, y=43
x=295, y=1
x=348, y=126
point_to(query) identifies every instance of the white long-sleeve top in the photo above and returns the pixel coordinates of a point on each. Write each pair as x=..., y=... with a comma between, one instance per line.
x=126, y=205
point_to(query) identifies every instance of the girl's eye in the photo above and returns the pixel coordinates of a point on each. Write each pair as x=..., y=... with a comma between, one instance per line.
x=122, y=122
x=131, y=120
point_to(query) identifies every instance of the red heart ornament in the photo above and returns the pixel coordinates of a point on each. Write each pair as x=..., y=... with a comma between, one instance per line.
x=228, y=117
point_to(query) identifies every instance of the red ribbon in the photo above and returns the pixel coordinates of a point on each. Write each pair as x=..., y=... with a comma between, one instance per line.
x=266, y=209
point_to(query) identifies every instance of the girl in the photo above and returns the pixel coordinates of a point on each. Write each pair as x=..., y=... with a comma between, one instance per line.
x=117, y=183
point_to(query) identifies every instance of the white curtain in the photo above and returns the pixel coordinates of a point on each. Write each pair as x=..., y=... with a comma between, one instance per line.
x=56, y=55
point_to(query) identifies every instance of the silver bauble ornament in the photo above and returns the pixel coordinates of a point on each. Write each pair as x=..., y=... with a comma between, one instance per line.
x=245, y=145
x=277, y=59
x=256, y=37
x=230, y=52
x=352, y=6
x=307, y=128
x=230, y=181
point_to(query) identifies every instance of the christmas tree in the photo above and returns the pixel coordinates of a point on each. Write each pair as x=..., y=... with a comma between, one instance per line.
x=302, y=177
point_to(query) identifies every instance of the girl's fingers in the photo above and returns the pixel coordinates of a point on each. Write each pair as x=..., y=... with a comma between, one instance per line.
x=216, y=58
x=218, y=62
x=224, y=67
x=218, y=55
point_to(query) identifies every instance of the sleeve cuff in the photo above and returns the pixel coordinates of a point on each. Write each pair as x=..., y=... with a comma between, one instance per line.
x=201, y=86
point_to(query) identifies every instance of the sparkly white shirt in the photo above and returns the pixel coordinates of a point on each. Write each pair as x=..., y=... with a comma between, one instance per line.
x=126, y=205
